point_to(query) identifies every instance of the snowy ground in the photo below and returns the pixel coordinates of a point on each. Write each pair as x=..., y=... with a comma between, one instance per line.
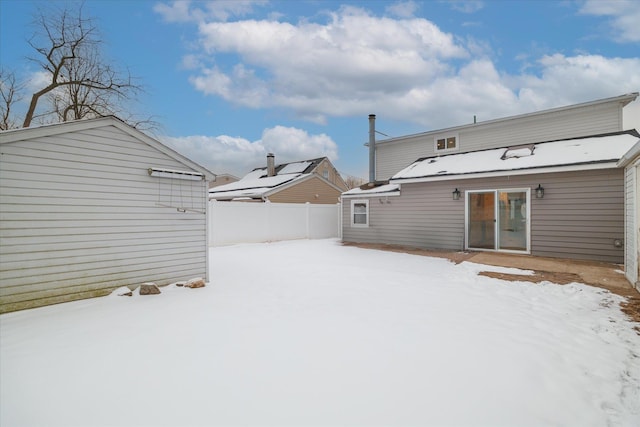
x=313, y=333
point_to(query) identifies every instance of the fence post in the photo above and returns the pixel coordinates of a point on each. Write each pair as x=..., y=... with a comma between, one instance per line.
x=308, y=220
x=267, y=216
x=339, y=205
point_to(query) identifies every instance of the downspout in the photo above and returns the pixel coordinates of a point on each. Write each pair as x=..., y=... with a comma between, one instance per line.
x=372, y=148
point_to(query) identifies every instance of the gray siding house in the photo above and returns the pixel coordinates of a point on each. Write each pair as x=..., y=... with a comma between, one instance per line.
x=92, y=205
x=525, y=184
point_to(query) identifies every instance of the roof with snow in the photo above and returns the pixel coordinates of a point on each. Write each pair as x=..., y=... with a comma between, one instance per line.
x=592, y=152
x=380, y=190
x=256, y=184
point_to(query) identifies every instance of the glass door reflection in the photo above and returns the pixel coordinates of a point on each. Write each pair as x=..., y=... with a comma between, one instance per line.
x=482, y=220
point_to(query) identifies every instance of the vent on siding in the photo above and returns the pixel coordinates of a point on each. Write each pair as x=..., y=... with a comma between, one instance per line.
x=169, y=173
x=180, y=190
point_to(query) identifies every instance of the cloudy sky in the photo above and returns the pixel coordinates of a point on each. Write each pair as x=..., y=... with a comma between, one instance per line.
x=230, y=81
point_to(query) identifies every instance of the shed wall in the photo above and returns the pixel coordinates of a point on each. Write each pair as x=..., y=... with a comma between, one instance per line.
x=81, y=216
x=596, y=119
x=579, y=217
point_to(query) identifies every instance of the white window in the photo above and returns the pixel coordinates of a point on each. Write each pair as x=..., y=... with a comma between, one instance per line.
x=446, y=143
x=359, y=213
x=325, y=174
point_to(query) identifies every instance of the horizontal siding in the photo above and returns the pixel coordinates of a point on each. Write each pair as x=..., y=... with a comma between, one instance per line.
x=81, y=216
x=589, y=120
x=334, y=176
x=579, y=217
x=306, y=191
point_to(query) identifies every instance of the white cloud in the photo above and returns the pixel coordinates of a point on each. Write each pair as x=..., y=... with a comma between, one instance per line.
x=466, y=6
x=198, y=11
x=356, y=63
x=37, y=80
x=238, y=156
x=625, y=17
x=565, y=80
x=335, y=68
x=177, y=11
x=403, y=9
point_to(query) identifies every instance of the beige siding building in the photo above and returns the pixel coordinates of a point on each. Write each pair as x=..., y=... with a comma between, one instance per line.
x=308, y=181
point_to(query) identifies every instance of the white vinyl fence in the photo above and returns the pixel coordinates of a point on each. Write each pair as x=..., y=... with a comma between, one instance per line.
x=246, y=222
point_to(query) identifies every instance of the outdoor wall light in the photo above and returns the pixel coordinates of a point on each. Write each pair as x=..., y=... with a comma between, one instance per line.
x=456, y=194
x=539, y=192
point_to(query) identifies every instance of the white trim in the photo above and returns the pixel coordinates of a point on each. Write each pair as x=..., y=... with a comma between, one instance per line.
x=631, y=226
x=360, y=195
x=446, y=136
x=553, y=169
x=22, y=134
x=175, y=174
x=496, y=212
x=353, y=203
x=633, y=153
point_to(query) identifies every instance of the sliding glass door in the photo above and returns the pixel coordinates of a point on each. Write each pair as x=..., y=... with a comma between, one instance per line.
x=498, y=220
x=482, y=220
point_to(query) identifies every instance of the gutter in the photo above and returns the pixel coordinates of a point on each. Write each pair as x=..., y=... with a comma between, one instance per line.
x=489, y=174
x=629, y=155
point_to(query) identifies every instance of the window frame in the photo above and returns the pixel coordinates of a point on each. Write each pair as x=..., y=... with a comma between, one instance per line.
x=352, y=216
x=446, y=139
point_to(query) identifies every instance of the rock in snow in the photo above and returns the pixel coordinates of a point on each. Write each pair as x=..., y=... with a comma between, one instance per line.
x=149, y=289
x=198, y=282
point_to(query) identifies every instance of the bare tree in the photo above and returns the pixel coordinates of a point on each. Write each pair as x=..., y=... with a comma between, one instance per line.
x=10, y=91
x=353, y=181
x=81, y=83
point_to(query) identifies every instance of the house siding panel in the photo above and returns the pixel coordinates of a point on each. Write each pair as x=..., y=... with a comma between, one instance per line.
x=81, y=216
x=334, y=176
x=306, y=192
x=595, y=119
x=579, y=217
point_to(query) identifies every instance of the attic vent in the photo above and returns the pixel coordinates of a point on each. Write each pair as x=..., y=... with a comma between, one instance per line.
x=174, y=174
x=517, y=152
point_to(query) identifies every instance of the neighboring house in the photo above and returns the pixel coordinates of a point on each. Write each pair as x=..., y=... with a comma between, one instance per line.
x=631, y=162
x=222, y=179
x=546, y=183
x=88, y=206
x=308, y=181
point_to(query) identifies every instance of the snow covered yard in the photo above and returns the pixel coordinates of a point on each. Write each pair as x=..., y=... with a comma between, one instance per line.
x=314, y=333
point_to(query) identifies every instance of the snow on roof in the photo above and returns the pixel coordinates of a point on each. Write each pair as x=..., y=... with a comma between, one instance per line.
x=255, y=184
x=387, y=189
x=580, y=151
x=297, y=167
x=255, y=174
x=255, y=187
